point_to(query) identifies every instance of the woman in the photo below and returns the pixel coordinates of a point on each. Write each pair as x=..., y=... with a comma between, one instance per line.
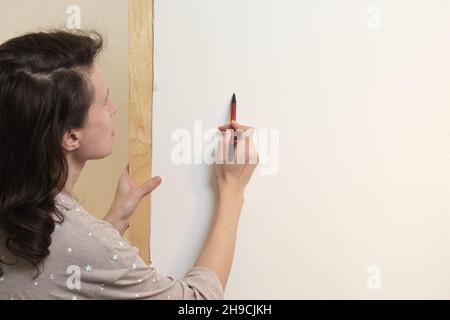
x=55, y=114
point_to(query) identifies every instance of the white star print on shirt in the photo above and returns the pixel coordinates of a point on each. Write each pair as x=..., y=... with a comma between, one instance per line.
x=119, y=272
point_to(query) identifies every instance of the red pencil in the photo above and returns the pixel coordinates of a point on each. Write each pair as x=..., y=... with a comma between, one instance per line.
x=233, y=108
x=233, y=115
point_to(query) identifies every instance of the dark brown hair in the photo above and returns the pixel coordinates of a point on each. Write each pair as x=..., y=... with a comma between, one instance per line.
x=44, y=91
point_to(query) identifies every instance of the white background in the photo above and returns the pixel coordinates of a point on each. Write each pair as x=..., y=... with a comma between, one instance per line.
x=363, y=113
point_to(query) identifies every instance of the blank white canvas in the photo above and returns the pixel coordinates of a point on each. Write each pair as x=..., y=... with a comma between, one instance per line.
x=359, y=92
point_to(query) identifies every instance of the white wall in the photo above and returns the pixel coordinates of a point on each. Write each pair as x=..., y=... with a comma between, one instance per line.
x=360, y=93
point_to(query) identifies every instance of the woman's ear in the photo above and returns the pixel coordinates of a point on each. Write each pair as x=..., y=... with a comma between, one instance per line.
x=71, y=140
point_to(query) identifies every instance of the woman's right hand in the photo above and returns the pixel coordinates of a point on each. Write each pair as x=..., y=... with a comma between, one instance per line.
x=232, y=177
x=235, y=172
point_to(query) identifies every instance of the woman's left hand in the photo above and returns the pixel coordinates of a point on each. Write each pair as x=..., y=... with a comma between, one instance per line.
x=127, y=198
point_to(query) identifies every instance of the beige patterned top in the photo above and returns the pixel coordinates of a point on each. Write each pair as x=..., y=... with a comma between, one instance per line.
x=89, y=259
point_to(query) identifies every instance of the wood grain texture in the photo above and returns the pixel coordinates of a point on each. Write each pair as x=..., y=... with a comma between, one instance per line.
x=140, y=57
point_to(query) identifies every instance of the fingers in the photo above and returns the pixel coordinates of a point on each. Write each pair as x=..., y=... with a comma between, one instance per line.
x=242, y=150
x=225, y=127
x=149, y=186
x=223, y=148
x=234, y=125
x=244, y=145
x=153, y=183
x=246, y=150
x=237, y=125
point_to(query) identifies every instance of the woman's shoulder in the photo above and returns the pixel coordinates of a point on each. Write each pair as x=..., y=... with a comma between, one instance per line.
x=82, y=236
x=88, y=259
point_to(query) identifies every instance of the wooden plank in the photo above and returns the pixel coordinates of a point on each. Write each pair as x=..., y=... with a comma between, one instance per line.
x=140, y=57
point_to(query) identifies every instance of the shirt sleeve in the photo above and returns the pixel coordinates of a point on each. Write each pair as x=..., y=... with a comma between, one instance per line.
x=117, y=272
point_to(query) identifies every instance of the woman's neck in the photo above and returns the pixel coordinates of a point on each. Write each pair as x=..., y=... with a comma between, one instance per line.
x=75, y=167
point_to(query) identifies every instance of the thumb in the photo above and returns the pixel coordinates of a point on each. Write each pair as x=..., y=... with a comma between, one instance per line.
x=236, y=125
x=149, y=186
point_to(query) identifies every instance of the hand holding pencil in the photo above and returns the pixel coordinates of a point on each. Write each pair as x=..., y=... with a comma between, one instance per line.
x=245, y=155
x=218, y=251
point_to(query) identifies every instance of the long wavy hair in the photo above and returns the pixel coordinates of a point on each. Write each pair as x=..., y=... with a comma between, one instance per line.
x=44, y=92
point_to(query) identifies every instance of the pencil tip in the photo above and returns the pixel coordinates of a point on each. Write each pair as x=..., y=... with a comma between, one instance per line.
x=234, y=98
